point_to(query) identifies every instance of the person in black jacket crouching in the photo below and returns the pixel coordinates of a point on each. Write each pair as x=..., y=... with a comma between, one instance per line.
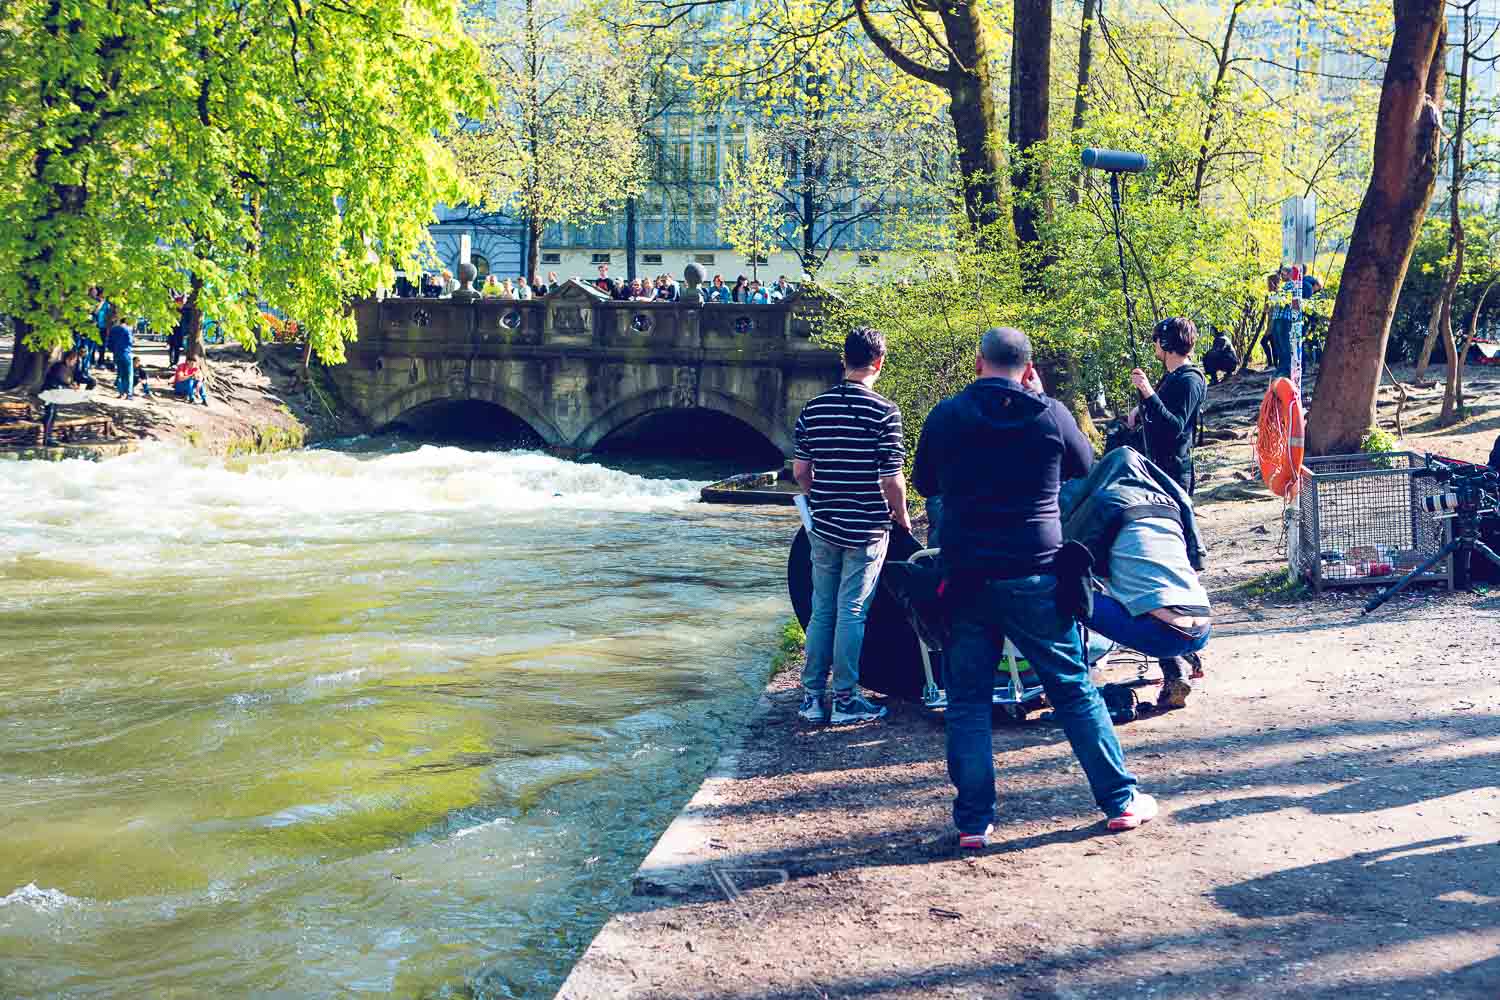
x=1169, y=413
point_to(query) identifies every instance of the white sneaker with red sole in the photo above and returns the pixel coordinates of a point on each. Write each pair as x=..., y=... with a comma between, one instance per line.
x=976, y=841
x=1140, y=809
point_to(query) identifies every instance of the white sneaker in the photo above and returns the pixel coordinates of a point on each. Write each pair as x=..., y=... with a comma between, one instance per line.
x=977, y=841
x=812, y=707
x=1140, y=809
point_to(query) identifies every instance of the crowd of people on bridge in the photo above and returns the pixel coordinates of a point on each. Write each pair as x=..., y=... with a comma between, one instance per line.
x=662, y=288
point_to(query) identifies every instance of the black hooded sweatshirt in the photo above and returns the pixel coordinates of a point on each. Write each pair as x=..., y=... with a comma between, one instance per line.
x=997, y=455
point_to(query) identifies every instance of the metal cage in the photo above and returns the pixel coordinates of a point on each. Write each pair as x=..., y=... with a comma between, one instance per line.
x=1361, y=520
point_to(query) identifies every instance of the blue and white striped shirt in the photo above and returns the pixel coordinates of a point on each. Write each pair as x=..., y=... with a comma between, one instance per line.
x=852, y=437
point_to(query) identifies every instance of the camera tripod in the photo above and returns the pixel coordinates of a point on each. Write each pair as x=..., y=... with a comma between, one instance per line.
x=1467, y=519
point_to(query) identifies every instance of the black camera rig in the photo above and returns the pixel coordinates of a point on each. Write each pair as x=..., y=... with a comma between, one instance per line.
x=1471, y=500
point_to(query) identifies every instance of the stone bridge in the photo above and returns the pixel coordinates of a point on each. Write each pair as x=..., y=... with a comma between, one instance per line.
x=576, y=367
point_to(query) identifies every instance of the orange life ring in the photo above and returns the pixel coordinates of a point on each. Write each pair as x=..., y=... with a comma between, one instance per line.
x=1278, y=440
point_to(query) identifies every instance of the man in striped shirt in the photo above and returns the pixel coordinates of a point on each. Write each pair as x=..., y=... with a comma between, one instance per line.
x=848, y=460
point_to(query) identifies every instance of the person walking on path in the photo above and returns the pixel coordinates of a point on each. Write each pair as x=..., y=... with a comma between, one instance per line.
x=121, y=344
x=997, y=454
x=848, y=460
x=1171, y=411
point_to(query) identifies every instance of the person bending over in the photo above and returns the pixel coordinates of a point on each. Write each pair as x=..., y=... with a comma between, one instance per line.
x=848, y=460
x=1140, y=529
x=997, y=453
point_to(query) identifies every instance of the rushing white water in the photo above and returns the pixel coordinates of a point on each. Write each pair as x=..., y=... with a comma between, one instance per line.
x=398, y=722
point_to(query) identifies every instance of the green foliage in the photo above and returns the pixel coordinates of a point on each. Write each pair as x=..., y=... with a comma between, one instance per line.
x=749, y=205
x=258, y=153
x=1380, y=444
x=793, y=640
x=557, y=142
x=1274, y=584
x=1424, y=281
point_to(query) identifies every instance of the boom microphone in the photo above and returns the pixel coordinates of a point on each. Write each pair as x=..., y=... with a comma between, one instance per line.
x=1116, y=161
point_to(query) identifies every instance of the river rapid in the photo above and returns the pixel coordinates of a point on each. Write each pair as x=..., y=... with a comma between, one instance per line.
x=391, y=720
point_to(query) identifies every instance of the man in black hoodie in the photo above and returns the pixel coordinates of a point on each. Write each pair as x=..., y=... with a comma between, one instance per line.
x=997, y=454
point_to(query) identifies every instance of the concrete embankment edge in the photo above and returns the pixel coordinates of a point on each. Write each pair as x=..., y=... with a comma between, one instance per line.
x=678, y=865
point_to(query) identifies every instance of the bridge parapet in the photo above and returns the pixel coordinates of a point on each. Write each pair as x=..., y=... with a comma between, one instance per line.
x=577, y=366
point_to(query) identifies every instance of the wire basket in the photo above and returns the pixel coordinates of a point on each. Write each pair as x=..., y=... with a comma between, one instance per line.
x=1361, y=521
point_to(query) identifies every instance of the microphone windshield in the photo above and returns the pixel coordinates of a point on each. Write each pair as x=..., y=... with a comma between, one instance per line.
x=1115, y=160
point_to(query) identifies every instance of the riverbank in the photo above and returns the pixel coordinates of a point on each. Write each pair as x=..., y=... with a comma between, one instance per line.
x=258, y=402
x=1328, y=820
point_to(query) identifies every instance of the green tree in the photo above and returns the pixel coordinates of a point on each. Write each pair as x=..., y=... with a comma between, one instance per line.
x=750, y=213
x=247, y=153
x=558, y=143
x=1385, y=232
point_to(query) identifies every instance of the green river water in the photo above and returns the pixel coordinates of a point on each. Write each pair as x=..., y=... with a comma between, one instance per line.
x=386, y=721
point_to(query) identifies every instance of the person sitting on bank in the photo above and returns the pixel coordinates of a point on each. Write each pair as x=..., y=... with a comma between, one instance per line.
x=187, y=380
x=997, y=453
x=65, y=373
x=1170, y=412
x=1139, y=527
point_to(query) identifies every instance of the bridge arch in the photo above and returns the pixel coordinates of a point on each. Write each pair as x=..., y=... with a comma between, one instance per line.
x=437, y=391
x=670, y=398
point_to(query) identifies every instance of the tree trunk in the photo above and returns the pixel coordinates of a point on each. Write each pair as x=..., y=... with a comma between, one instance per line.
x=1030, y=73
x=1081, y=95
x=194, y=348
x=1062, y=378
x=534, y=245
x=27, y=367
x=1408, y=126
x=1434, y=330
x=1215, y=96
x=967, y=79
x=1453, y=390
x=632, y=209
x=811, y=175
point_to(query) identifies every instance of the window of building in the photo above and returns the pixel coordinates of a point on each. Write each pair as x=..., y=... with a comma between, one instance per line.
x=551, y=258
x=868, y=259
x=481, y=265
x=651, y=258
x=759, y=258
x=703, y=258
x=708, y=161
x=599, y=258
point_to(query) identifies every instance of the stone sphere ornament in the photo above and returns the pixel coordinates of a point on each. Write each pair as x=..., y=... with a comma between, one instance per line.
x=692, y=276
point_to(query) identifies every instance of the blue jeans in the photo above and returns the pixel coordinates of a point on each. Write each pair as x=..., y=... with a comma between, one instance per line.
x=1025, y=611
x=1281, y=339
x=124, y=373
x=189, y=387
x=843, y=585
x=1143, y=633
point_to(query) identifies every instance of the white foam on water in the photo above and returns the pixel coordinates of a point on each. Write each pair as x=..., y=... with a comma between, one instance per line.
x=162, y=503
x=41, y=900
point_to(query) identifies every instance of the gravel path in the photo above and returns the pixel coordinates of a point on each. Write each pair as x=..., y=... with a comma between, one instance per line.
x=1331, y=826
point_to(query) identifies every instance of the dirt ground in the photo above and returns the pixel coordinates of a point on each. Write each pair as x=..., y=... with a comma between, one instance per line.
x=1330, y=823
x=254, y=404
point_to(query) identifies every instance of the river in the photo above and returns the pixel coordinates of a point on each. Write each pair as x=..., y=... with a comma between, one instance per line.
x=382, y=721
